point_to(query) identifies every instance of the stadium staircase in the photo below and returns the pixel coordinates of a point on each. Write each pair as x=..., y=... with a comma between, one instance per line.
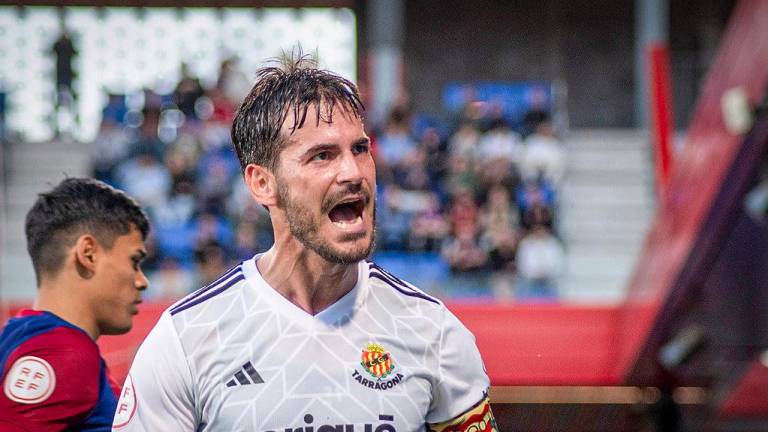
x=606, y=208
x=32, y=167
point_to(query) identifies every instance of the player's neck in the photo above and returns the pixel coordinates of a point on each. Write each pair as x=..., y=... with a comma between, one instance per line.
x=307, y=280
x=54, y=296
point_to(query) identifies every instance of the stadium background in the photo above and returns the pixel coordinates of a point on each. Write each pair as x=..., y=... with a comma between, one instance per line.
x=652, y=314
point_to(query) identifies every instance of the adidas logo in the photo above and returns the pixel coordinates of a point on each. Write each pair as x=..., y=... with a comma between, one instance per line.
x=241, y=376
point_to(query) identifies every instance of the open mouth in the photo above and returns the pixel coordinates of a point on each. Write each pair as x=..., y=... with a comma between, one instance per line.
x=348, y=213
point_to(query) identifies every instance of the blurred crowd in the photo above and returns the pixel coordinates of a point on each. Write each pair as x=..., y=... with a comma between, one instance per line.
x=478, y=193
x=483, y=195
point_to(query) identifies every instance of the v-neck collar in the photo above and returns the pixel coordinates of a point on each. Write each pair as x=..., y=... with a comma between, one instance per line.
x=332, y=315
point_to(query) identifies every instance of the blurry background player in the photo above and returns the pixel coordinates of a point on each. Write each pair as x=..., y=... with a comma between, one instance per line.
x=86, y=241
x=308, y=334
x=65, y=52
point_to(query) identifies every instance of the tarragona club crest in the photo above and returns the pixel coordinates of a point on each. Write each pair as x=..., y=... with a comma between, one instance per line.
x=377, y=361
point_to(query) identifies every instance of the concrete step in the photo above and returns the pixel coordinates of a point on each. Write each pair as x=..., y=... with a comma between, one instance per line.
x=610, y=199
x=614, y=237
x=604, y=225
x=598, y=265
x=577, y=190
x=606, y=208
x=591, y=175
x=608, y=137
x=578, y=209
x=592, y=291
x=619, y=160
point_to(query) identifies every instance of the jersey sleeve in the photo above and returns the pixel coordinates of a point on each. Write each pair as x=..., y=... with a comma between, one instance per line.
x=51, y=381
x=158, y=392
x=460, y=395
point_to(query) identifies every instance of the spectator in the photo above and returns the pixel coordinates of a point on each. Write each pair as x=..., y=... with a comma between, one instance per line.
x=499, y=221
x=393, y=223
x=107, y=150
x=463, y=215
x=534, y=194
x=544, y=156
x=463, y=252
x=187, y=92
x=148, y=142
x=246, y=241
x=463, y=142
x=64, y=52
x=460, y=175
x=145, y=178
x=233, y=83
x=170, y=281
x=395, y=142
x=211, y=262
x=540, y=261
x=428, y=227
x=499, y=144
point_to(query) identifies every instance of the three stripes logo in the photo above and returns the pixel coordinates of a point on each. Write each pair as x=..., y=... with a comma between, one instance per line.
x=242, y=376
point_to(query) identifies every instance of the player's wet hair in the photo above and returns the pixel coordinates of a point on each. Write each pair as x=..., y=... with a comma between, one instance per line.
x=78, y=206
x=287, y=89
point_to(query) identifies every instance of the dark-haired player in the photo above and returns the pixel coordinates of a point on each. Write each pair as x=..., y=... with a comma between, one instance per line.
x=308, y=336
x=86, y=241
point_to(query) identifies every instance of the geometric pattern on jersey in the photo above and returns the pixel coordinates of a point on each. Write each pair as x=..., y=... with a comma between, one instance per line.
x=312, y=370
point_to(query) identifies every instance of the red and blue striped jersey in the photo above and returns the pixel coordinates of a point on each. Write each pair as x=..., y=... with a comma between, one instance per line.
x=53, y=377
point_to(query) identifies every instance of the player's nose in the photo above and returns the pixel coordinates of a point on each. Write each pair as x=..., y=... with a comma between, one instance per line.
x=141, y=282
x=349, y=169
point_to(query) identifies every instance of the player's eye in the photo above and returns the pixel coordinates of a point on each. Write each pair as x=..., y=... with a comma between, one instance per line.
x=361, y=148
x=136, y=263
x=322, y=156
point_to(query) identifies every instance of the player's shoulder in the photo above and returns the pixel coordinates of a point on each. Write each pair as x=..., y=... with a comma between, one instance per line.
x=52, y=348
x=408, y=294
x=43, y=331
x=193, y=301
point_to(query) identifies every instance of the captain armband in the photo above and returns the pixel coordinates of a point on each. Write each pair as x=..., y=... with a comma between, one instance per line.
x=479, y=418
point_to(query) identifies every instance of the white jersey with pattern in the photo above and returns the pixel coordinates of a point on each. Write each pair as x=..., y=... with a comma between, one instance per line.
x=238, y=356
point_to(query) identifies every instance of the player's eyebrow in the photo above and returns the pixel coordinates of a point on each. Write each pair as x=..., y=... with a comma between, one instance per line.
x=318, y=148
x=140, y=254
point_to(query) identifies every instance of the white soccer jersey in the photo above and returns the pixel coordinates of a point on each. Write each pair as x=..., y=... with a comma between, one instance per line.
x=238, y=356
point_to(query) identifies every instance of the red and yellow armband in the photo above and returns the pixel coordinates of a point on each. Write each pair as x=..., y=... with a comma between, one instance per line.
x=479, y=418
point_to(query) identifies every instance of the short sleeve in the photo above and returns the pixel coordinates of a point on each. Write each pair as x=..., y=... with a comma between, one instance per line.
x=51, y=380
x=157, y=394
x=462, y=384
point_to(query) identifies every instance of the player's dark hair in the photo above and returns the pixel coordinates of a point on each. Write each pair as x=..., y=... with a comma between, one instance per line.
x=288, y=89
x=78, y=206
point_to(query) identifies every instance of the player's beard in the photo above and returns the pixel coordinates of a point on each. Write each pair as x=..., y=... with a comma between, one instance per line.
x=305, y=228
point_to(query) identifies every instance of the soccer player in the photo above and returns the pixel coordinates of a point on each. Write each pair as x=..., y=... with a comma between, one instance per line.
x=86, y=241
x=308, y=336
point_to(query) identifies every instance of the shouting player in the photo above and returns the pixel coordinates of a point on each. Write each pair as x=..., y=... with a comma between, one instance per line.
x=308, y=335
x=86, y=241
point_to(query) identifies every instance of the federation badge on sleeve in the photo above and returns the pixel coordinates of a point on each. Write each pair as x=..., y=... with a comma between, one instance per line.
x=377, y=361
x=30, y=380
x=126, y=405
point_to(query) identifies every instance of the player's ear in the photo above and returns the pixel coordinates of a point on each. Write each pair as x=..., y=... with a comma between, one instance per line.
x=261, y=184
x=86, y=254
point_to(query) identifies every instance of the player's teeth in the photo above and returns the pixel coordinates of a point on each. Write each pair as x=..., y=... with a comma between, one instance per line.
x=342, y=224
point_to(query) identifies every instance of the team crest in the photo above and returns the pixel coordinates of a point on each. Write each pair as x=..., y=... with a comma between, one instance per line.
x=377, y=361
